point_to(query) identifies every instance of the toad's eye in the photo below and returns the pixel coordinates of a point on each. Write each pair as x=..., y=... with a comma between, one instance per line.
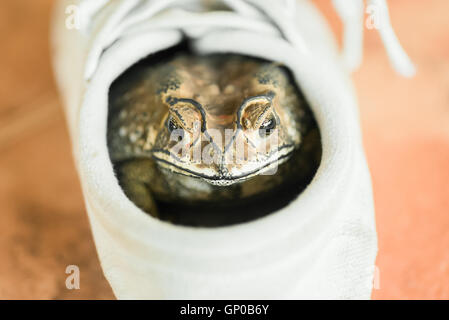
x=171, y=124
x=177, y=133
x=267, y=126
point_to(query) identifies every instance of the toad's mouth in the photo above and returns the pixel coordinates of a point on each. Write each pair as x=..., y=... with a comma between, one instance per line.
x=222, y=175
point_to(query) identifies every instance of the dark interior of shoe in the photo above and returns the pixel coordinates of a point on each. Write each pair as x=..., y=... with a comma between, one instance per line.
x=297, y=172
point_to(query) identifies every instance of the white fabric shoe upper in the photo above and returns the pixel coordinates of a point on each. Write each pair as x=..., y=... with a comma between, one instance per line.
x=129, y=13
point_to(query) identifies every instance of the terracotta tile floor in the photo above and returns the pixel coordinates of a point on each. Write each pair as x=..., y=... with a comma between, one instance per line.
x=43, y=225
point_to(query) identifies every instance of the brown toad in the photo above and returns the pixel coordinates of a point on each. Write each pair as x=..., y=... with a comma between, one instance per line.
x=204, y=128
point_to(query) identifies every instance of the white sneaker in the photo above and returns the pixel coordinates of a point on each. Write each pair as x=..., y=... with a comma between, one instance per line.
x=323, y=245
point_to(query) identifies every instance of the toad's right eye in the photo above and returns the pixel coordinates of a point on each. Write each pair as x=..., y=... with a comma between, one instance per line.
x=175, y=129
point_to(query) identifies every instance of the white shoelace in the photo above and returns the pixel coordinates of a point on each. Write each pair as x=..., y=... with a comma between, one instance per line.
x=351, y=12
x=111, y=16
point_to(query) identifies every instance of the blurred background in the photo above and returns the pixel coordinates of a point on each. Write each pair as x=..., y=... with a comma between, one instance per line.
x=43, y=224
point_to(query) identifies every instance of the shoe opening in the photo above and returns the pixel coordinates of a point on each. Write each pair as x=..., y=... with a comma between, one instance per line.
x=175, y=90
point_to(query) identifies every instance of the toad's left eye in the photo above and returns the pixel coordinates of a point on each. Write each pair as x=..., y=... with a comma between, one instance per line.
x=171, y=124
x=267, y=126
